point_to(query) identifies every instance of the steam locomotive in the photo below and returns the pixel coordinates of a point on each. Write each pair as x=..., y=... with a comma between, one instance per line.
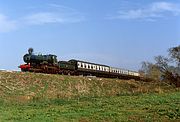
x=49, y=64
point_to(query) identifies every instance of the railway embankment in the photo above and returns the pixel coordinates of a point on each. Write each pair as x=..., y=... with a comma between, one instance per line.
x=22, y=87
x=58, y=98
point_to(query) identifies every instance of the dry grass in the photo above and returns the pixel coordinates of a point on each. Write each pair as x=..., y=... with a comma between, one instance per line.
x=27, y=86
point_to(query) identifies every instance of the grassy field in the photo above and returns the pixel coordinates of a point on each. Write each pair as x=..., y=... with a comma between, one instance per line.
x=146, y=107
x=42, y=97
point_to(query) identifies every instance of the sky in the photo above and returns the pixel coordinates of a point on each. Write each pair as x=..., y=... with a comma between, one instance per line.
x=118, y=33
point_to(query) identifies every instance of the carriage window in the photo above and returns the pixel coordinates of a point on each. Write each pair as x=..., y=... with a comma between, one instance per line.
x=79, y=64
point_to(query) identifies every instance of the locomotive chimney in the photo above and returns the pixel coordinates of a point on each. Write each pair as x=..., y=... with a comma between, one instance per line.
x=30, y=51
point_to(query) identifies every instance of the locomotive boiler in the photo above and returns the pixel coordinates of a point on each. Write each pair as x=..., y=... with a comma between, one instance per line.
x=38, y=59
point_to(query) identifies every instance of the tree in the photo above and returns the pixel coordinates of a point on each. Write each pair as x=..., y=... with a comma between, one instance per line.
x=167, y=68
x=174, y=53
x=150, y=70
x=170, y=67
x=162, y=63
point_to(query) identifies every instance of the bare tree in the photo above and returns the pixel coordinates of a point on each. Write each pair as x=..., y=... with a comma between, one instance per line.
x=150, y=70
x=170, y=67
x=162, y=63
x=166, y=68
x=174, y=53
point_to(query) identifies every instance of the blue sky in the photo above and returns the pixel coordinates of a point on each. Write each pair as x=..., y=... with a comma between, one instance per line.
x=120, y=33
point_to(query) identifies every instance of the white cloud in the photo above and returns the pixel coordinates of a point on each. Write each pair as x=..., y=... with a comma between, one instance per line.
x=55, y=14
x=151, y=12
x=43, y=18
x=52, y=17
x=7, y=25
x=61, y=7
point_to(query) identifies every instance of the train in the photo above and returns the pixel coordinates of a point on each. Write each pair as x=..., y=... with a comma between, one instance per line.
x=49, y=64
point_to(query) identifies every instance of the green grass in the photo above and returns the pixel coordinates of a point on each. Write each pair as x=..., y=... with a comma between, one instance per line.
x=147, y=107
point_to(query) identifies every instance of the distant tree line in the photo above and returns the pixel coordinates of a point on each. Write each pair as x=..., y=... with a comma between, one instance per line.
x=165, y=68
